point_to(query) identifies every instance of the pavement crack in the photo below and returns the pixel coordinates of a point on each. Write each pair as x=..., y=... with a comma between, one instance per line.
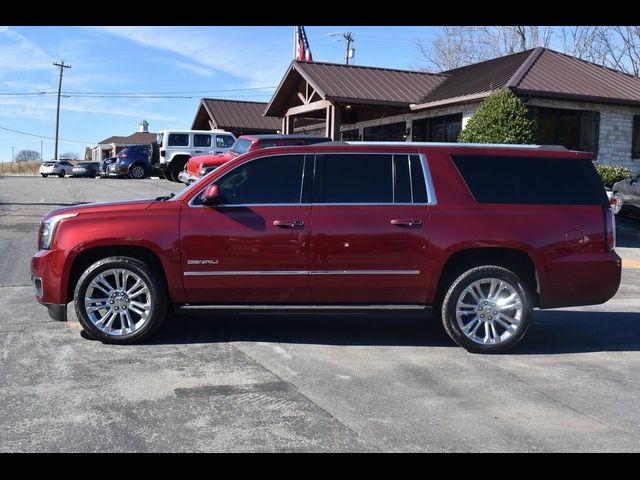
x=297, y=390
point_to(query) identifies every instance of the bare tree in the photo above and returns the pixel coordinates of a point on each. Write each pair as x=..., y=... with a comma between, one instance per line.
x=621, y=46
x=27, y=156
x=70, y=155
x=455, y=47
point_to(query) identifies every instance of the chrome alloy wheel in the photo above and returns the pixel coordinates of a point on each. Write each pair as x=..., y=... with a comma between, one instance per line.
x=617, y=206
x=489, y=311
x=118, y=302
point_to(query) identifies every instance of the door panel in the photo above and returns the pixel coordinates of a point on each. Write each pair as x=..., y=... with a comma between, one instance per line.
x=245, y=239
x=349, y=241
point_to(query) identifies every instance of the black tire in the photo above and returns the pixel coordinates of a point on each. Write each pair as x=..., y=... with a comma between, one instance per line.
x=176, y=167
x=617, y=207
x=62, y=174
x=137, y=171
x=44, y=176
x=156, y=298
x=454, y=294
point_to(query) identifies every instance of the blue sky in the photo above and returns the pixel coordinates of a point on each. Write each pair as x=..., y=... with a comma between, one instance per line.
x=227, y=62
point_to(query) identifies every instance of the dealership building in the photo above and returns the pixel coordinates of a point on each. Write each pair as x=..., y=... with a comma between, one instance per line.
x=573, y=102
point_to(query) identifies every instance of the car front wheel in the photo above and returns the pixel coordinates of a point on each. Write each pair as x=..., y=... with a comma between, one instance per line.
x=62, y=174
x=487, y=310
x=120, y=300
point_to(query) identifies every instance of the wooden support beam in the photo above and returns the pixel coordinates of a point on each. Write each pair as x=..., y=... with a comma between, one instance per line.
x=311, y=107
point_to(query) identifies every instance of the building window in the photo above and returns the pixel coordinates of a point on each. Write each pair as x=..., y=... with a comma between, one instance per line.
x=392, y=132
x=350, y=135
x=635, y=138
x=574, y=129
x=437, y=129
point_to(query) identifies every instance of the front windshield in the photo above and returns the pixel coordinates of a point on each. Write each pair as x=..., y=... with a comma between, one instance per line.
x=240, y=146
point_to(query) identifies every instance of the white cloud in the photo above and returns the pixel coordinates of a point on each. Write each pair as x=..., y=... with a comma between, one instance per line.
x=258, y=65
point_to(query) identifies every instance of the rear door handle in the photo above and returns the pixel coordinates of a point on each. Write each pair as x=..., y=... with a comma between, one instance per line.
x=288, y=223
x=406, y=222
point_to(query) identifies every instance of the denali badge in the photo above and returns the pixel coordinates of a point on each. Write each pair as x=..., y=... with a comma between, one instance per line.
x=202, y=262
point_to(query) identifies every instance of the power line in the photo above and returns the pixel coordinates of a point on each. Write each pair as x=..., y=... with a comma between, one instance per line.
x=43, y=136
x=135, y=94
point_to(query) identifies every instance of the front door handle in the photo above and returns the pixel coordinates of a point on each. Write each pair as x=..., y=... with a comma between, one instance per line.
x=288, y=223
x=406, y=222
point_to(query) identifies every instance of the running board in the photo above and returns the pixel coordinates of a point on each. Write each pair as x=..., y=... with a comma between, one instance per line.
x=310, y=308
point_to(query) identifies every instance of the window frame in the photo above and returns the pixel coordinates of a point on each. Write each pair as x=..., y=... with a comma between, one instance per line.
x=312, y=173
x=319, y=179
x=307, y=163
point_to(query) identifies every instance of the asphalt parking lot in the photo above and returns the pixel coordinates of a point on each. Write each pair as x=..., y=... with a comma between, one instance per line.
x=351, y=382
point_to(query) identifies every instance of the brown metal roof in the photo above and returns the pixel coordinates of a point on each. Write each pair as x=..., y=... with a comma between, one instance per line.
x=355, y=84
x=239, y=115
x=133, y=139
x=477, y=79
x=564, y=75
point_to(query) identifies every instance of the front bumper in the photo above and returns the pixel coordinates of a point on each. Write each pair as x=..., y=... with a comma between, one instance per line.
x=46, y=276
x=116, y=170
x=184, y=177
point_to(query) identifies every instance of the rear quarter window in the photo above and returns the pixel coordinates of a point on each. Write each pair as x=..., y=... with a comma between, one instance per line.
x=531, y=180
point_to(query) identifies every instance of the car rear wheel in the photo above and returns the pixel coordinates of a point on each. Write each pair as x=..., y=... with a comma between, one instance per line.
x=62, y=174
x=44, y=175
x=487, y=309
x=136, y=171
x=618, y=203
x=120, y=300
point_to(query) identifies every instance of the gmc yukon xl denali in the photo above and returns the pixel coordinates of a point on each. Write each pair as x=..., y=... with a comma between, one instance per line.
x=478, y=234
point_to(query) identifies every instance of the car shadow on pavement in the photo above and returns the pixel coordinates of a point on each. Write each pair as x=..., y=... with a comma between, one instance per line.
x=553, y=331
x=628, y=230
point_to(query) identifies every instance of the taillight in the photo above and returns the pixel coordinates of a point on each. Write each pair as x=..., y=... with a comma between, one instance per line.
x=162, y=153
x=610, y=219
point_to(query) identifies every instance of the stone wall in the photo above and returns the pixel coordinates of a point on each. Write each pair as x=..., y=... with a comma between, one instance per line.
x=616, y=127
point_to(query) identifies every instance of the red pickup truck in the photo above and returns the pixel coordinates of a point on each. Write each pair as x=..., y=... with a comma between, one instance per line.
x=479, y=235
x=199, y=166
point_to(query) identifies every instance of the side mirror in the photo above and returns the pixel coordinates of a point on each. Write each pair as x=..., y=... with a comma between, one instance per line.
x=211, y=195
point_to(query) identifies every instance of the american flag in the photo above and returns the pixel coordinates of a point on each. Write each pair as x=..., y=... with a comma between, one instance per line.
x=303, y=52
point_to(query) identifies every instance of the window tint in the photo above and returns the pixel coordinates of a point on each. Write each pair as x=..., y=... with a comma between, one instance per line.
x=224, y=141
x=363, y=178
x=402, y=179
x=178, y=139
x=418, y=186
x=201, y=140
x=531, y=180
x=275, y=179
x=635, y=137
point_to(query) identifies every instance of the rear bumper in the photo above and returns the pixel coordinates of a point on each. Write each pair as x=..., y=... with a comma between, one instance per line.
x=581, y=279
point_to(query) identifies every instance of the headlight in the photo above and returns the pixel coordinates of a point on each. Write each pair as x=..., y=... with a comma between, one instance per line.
x=205, y=170
x=48, y=228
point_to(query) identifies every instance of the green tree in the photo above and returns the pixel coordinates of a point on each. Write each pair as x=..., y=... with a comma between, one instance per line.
x=501, y=118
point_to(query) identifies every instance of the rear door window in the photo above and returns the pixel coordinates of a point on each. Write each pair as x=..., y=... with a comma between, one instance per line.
x=355, y=178
x=201, y=140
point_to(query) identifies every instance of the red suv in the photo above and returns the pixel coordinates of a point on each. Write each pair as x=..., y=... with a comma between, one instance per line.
x=480, y=235
x=198, y=167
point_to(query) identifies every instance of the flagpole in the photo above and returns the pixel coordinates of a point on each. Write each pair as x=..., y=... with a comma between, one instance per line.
x=294, y=42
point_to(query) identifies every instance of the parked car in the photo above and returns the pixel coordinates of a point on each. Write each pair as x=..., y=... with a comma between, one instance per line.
x=176, y=147
x=626, y=194
x=104, y=166
x=59, y=168
x=86, y=169
x=199, y=166
x=472, y=233
x=133, y=161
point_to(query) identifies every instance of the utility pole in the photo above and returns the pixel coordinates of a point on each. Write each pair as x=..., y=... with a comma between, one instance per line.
x=12, y=156
x=349, y=38
x=62, y=67
x=41, y=157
